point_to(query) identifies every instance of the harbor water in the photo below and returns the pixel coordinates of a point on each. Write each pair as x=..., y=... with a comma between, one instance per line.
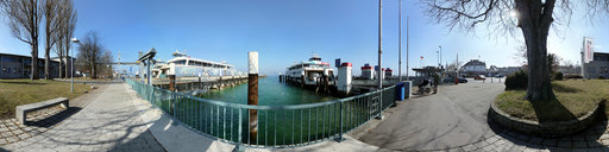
x=270, y=92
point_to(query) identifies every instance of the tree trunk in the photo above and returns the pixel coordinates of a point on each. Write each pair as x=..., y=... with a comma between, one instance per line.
x=47, y=60
x=93, y=70
x=34, y=72
x=60, y=71
x=68, y=61
x=535, y=22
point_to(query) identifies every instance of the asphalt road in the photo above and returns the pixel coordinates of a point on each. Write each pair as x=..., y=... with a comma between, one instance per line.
x=455, y=116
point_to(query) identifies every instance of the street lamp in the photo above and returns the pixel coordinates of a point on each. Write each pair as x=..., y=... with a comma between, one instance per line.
x=74, y=40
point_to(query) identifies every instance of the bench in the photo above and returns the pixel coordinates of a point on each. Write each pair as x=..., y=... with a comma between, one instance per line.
x=22, y=110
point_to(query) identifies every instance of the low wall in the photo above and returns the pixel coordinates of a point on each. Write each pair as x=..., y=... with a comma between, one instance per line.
x=546, y=129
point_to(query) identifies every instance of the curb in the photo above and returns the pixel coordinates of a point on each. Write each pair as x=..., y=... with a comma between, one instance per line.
x=546, y=129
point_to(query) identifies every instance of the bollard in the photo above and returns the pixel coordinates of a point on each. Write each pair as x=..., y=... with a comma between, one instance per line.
x=252, y=95
x=172, y=82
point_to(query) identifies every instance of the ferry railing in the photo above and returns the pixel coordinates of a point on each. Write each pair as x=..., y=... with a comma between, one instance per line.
x=278, y=126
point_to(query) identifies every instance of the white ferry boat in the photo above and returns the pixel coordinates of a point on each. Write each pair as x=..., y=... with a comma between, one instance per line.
x=311, y=73
x=186, y=66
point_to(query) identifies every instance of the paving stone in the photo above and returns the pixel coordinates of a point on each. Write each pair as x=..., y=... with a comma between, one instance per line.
x=469, y=147
x=17, y=132
x=12, y=127
x=12, y=139
x=27, y=129
x=481, y=144
x=604, y=136
x=605, y=142
x=7, y=134
x=24, y=136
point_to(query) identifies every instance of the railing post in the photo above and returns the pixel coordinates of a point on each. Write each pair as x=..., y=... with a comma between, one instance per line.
x=380, y=105
x=340, y=117
x=173, y=103
x=239, y=133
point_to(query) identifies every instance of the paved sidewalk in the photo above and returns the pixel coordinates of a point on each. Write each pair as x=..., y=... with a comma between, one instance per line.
x=456, y=120
x=454, y=117
x=111, y=122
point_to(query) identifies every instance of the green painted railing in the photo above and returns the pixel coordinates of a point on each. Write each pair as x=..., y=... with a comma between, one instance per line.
x=278, y=126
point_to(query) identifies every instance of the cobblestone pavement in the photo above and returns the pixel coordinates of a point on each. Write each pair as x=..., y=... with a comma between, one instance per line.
x=40, y=121
x=111, y=122
x=595, y=138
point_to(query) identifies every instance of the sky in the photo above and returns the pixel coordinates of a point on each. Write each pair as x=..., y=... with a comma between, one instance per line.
x=286, y=32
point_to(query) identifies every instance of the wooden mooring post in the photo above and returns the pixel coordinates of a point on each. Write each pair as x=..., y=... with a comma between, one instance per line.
x=252, y=94
x=172, y=82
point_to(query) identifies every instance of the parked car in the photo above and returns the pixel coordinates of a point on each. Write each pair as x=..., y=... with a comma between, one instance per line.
x=480, y=77
x=452, y=80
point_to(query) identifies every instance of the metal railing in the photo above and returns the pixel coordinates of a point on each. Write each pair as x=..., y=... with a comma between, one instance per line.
x=278, y=126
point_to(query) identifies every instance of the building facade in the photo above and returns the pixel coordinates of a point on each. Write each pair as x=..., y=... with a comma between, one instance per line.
x=473, y=67
x=14, y=66
x=598, y=67
x=595, y=64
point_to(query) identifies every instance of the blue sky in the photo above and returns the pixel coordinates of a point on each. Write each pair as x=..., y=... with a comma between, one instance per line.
x=288, y=31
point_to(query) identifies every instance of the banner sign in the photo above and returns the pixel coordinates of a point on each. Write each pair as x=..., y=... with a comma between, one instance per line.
x=588, y=52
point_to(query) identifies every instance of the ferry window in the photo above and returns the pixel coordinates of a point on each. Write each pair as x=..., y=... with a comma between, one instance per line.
x=180, y=62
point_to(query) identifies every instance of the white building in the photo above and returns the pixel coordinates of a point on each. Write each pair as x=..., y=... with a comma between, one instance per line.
x=595, y=64
x=474, y=67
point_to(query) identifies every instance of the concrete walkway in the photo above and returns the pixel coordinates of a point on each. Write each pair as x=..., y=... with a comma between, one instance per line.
x=455, y=120
x=111, y=122
x=454, y=117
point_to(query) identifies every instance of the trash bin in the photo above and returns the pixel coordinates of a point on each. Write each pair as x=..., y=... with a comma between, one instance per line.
x=407, y=89
x=399, y=91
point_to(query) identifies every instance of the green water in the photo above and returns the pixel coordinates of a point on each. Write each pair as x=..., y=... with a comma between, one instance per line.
x=270, y=92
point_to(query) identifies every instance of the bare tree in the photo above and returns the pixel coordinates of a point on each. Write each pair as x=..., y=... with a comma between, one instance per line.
x=66, y=24
x=50, y=9
x=105, y=69
x=533, y=17
x=89, y=54
x=24, y=17
x=69, y=18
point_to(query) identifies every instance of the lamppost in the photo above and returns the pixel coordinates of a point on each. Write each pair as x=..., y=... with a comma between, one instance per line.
x=74, y=40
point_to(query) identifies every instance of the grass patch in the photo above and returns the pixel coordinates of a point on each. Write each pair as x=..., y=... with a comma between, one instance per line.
x=14, y=92
x=574, y=98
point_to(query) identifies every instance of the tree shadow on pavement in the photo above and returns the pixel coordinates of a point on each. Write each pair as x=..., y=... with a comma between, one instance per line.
x=54, y=119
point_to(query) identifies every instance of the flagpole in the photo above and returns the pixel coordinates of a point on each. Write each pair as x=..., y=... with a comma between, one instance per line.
x=400, y=42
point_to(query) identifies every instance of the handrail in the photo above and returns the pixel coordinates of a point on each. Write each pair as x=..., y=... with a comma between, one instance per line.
x=279, y=125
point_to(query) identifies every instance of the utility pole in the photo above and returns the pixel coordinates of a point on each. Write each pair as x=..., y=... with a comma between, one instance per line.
x=400, y=42
x=119, y=64
x=407, y=47
x=380, y=70
x=439, y=56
